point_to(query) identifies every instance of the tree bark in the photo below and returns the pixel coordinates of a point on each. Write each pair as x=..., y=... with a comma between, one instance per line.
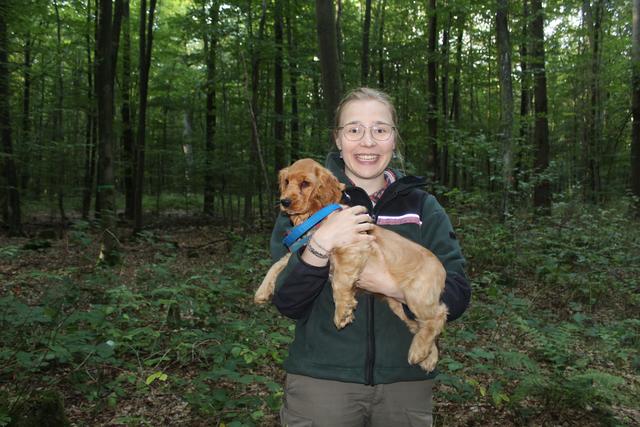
x=210, y=46
x=293, y=85
x=14, y=216
x=444, y=158
x=26, y=109
x=506, y=100
x=329, y=66
x=278, y=126
x=366, y=28
x=381, y=10
x=104, y=84
x=432, y=92
x=89, y=148
x=525, y=93
x=125, y=113
x=542, y=190
x=635, y=130
x=145, y=44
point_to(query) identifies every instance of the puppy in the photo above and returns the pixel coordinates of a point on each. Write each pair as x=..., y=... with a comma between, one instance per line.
x=307, y=187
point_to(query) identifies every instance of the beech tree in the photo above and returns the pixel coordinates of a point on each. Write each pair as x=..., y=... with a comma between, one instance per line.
x=328, y=53
x=542, y=191
x=635, y=94
x=14, y=220
x=506, y=99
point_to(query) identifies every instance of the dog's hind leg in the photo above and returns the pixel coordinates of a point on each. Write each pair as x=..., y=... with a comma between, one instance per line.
x=265, y=291
x=429, y=327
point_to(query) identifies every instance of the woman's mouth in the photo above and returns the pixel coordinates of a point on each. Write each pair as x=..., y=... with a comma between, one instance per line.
x=366, y=157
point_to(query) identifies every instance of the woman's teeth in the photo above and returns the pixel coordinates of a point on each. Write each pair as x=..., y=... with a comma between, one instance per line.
x=366, y=157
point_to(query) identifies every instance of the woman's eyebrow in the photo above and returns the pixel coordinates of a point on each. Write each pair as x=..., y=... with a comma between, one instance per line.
x=357, y=122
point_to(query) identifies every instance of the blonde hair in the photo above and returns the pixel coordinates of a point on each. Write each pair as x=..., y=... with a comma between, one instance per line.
x=366, y=94
x=369, y=94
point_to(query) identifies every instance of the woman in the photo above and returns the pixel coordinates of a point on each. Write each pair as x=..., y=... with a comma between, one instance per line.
x=359, y=375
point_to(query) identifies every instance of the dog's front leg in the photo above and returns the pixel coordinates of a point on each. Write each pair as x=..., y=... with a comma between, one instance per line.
x=346, y=264
x=265, y=291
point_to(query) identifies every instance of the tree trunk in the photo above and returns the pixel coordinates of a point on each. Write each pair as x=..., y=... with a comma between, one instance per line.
x=104, y=84
x=254, y=180
x=542, y=190
x=525, y=93
x=593, y=15
x=444, y=158
x=58, y=121
x=89, y=161
x=432, y=92
x=366, y=28
x=145, y=43
x=210, y=46
x=278, y=126
x=456, y=108
x=14, y=220
x=26, y=110
x=329, y=66
x=125, y=113
x=506, y=100
x=381, y=10
x=293, y=85
x=635, y=130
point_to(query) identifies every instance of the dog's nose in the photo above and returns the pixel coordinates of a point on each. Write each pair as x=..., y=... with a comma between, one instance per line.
x=285, y=202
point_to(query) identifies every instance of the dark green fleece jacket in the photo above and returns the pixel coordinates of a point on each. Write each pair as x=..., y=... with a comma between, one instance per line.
x=374, y=348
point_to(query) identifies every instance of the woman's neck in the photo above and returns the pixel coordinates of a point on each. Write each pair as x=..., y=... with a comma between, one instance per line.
x=369, y=185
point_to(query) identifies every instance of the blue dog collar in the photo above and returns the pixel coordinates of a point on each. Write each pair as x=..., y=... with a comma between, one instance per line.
x=313, y=220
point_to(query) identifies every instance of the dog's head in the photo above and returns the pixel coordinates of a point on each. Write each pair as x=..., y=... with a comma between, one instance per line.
x=305, y=187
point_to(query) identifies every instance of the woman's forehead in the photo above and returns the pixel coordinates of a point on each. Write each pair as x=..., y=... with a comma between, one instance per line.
x=366, y=111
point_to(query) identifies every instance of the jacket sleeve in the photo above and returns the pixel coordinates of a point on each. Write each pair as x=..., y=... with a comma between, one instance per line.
x=299, y=283
x=438, y=236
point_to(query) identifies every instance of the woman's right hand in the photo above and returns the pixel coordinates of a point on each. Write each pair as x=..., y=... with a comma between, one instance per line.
x=344, y=227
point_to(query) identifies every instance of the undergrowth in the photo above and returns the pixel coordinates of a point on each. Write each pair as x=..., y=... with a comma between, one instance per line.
x=552, y=332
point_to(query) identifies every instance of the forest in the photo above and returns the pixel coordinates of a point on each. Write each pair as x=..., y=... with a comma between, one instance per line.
x=140, y=146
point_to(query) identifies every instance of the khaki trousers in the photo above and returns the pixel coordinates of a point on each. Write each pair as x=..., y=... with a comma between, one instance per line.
x=323, y=403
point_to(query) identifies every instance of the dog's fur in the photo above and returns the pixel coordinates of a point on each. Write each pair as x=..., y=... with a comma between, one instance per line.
x=417, y=271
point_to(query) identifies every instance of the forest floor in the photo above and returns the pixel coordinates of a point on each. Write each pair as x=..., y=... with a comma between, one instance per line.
x=172, y=337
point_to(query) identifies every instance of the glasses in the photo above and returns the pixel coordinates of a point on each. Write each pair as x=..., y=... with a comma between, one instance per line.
x=355, y=131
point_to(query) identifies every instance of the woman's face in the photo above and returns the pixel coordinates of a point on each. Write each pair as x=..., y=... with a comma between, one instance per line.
x=366, y=159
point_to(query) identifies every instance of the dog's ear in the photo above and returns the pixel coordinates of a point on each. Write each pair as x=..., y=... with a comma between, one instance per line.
x=329, y=189
x=282, y=179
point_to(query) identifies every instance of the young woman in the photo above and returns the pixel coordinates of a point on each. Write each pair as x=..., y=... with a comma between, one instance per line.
x=359, y=375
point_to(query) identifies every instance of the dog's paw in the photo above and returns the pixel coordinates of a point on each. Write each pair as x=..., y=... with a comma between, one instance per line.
x=418, y=351
x=429, y=364
x=343, y=320
x=261, y=296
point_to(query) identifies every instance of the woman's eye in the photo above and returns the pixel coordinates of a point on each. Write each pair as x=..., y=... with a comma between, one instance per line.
x=353, y=129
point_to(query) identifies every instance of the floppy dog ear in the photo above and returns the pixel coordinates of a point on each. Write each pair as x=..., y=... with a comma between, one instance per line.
x=282, y=178
x=329, y=189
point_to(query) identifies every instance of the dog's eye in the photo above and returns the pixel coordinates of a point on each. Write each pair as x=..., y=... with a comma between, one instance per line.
x=286, y=182
x=304, y=184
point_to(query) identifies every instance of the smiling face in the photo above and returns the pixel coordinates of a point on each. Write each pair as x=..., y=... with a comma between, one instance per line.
x=366, y=159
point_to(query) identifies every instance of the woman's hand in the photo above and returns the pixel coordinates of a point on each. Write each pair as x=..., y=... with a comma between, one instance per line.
x=341, y=228
x=344, y=227
x=376, y=278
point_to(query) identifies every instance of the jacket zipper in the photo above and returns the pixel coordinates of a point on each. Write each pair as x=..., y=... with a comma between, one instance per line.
x=371, y=342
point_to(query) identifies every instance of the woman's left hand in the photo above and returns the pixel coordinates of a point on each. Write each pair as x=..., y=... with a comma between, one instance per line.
x=376, y=278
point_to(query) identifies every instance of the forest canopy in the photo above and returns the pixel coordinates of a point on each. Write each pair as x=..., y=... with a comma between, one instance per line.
x=208, y=99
